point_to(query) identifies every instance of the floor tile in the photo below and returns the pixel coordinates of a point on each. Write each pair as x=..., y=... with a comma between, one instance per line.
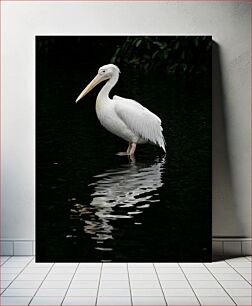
x=228, y=276
x=93, y=264
x=221, y=300
x=115, y=271
x=171, y=276
x=181, y=300
x=47, y=300
x=116, y=301
x=140, y=264
x=166, y=265
x=66, y=265
x=115, y=287
x=243, y=300
x=145, y=284
x=195, y=270
x=145, y=277
x=242, y=270
x=216, y=264
x=118, y=276
x=178, y=292
x=114, y=284
x=21, y=258
x=86, y=270
x=51, y=292
x=79, y=300
x=40, y=265
x=14, y=264
x=241, y=264
x=82, y=292
x=205, y=284
x=19, y=292
x=5, y=283
x=136, y=270
x=247, y=277
x=56, y=276
x=222, y=270
x=84, y=276
x=200, y=276
x=84, y=284
x=239, y=291
x=8, y=276
x=4, y=259
x=234, y=284
x=209, y=292
x=146, y=292
x=115, y=264
x=191, y=264
x=114, y=292
x=175, y=284
x=150, y=300
x=63, y=270
x=15, y=300
x=36, y=270
x=29, y=276
x=25, y=284
x=168, y=270
x=9, y=270
x=55, y=284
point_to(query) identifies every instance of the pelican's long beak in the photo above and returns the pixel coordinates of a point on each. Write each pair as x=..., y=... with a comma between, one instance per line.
x=90, y=86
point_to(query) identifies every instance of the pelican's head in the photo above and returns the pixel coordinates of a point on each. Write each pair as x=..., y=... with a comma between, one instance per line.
x=104, y=73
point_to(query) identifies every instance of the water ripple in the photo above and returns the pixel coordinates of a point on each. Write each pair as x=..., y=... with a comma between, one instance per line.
x=120, y=193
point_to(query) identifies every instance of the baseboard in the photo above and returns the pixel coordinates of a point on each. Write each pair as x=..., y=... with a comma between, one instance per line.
x=221, y=248
x=17, y=247
x=227, y=247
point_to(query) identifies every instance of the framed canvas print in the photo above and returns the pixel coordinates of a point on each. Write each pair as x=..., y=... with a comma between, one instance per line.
x=124, y=174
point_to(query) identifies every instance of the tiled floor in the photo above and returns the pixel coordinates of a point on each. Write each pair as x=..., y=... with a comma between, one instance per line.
x=24, y=282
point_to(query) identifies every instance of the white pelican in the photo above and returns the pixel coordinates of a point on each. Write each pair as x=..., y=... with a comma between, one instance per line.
x=125, y=118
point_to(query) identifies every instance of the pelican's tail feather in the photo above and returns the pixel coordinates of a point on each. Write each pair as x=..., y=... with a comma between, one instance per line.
x=162, y=143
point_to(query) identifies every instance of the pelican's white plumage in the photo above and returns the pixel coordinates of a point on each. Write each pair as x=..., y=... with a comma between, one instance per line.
x=125, y=118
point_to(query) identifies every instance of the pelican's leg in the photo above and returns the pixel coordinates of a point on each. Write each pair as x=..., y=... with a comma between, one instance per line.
x=129, y=148
x=127, y=152
x=133, y=148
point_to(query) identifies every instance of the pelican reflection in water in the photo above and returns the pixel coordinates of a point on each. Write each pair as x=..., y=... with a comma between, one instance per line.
x=121, y=193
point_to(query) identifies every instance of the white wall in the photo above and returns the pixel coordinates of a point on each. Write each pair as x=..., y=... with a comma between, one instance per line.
x=227, y=22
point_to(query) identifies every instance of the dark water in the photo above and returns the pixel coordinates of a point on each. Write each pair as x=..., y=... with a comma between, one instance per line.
x=92, y=205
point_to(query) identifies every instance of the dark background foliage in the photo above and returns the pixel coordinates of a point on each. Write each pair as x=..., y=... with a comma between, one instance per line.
x=172, y=54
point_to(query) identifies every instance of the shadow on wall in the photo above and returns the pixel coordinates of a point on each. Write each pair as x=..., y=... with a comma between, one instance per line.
x=225, y=215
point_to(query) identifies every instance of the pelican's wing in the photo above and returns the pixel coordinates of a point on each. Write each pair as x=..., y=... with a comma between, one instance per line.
x=140, y=120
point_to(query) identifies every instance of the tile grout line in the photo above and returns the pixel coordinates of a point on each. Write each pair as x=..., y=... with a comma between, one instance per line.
x=220, y=284
x=160, y=284
x=70, y=283
x=98, y=288
x=131, y=298
x=9, y=257
x=189, y=284
x=41, y=283
x=239, y=272
x=0, y=276
x=246, y=258
x=16, y=275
